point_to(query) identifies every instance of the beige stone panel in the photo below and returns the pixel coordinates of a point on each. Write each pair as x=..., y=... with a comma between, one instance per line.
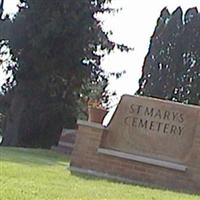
x=154, y=128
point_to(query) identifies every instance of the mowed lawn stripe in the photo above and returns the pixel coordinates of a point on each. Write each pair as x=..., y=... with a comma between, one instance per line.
x=35, y=174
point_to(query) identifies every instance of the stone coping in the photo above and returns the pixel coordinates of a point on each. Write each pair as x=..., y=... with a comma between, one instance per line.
x=162, y=100
x=143, y=159
x=66, y=131
x=91, y=124
x=66, y=144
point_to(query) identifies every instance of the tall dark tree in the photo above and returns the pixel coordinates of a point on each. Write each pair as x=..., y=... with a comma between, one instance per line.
x=54, y=47
x=1, y=7
x=171, y=68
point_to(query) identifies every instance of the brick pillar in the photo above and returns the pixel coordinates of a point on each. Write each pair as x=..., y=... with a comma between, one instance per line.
x=88, y=139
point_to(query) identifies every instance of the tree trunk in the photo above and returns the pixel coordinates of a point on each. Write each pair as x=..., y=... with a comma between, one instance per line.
x=13, y=118
x=33, y=122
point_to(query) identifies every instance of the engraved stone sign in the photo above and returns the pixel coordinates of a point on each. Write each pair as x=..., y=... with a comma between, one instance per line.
x=148, y=141
x=151, y=127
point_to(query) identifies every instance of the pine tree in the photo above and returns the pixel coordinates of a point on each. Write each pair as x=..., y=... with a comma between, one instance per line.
x=54, y=45
x=171, y=68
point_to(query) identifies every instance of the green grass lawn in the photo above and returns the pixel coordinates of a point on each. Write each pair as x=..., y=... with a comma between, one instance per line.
x=40, y=174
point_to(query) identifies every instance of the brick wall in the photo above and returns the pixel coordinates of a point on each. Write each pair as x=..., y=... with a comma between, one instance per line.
x=85, y=156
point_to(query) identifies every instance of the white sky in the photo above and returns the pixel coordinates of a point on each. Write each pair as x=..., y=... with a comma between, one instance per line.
x=133, y=26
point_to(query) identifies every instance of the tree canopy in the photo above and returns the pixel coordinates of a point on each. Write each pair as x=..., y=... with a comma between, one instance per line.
x=171, y=67
x=55, y=46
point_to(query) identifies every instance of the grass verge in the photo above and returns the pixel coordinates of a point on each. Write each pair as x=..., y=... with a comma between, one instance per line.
x=34, y=174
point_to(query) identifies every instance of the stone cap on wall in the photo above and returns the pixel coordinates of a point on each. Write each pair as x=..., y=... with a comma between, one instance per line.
x=91, y=124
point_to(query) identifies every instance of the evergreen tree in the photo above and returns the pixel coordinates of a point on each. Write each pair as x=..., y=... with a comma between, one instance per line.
x=1, y=7
x=54, y=47
x=171, y=68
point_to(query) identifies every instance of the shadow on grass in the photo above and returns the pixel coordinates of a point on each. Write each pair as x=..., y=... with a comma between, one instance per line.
x=32, y=157
x=145, y=186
